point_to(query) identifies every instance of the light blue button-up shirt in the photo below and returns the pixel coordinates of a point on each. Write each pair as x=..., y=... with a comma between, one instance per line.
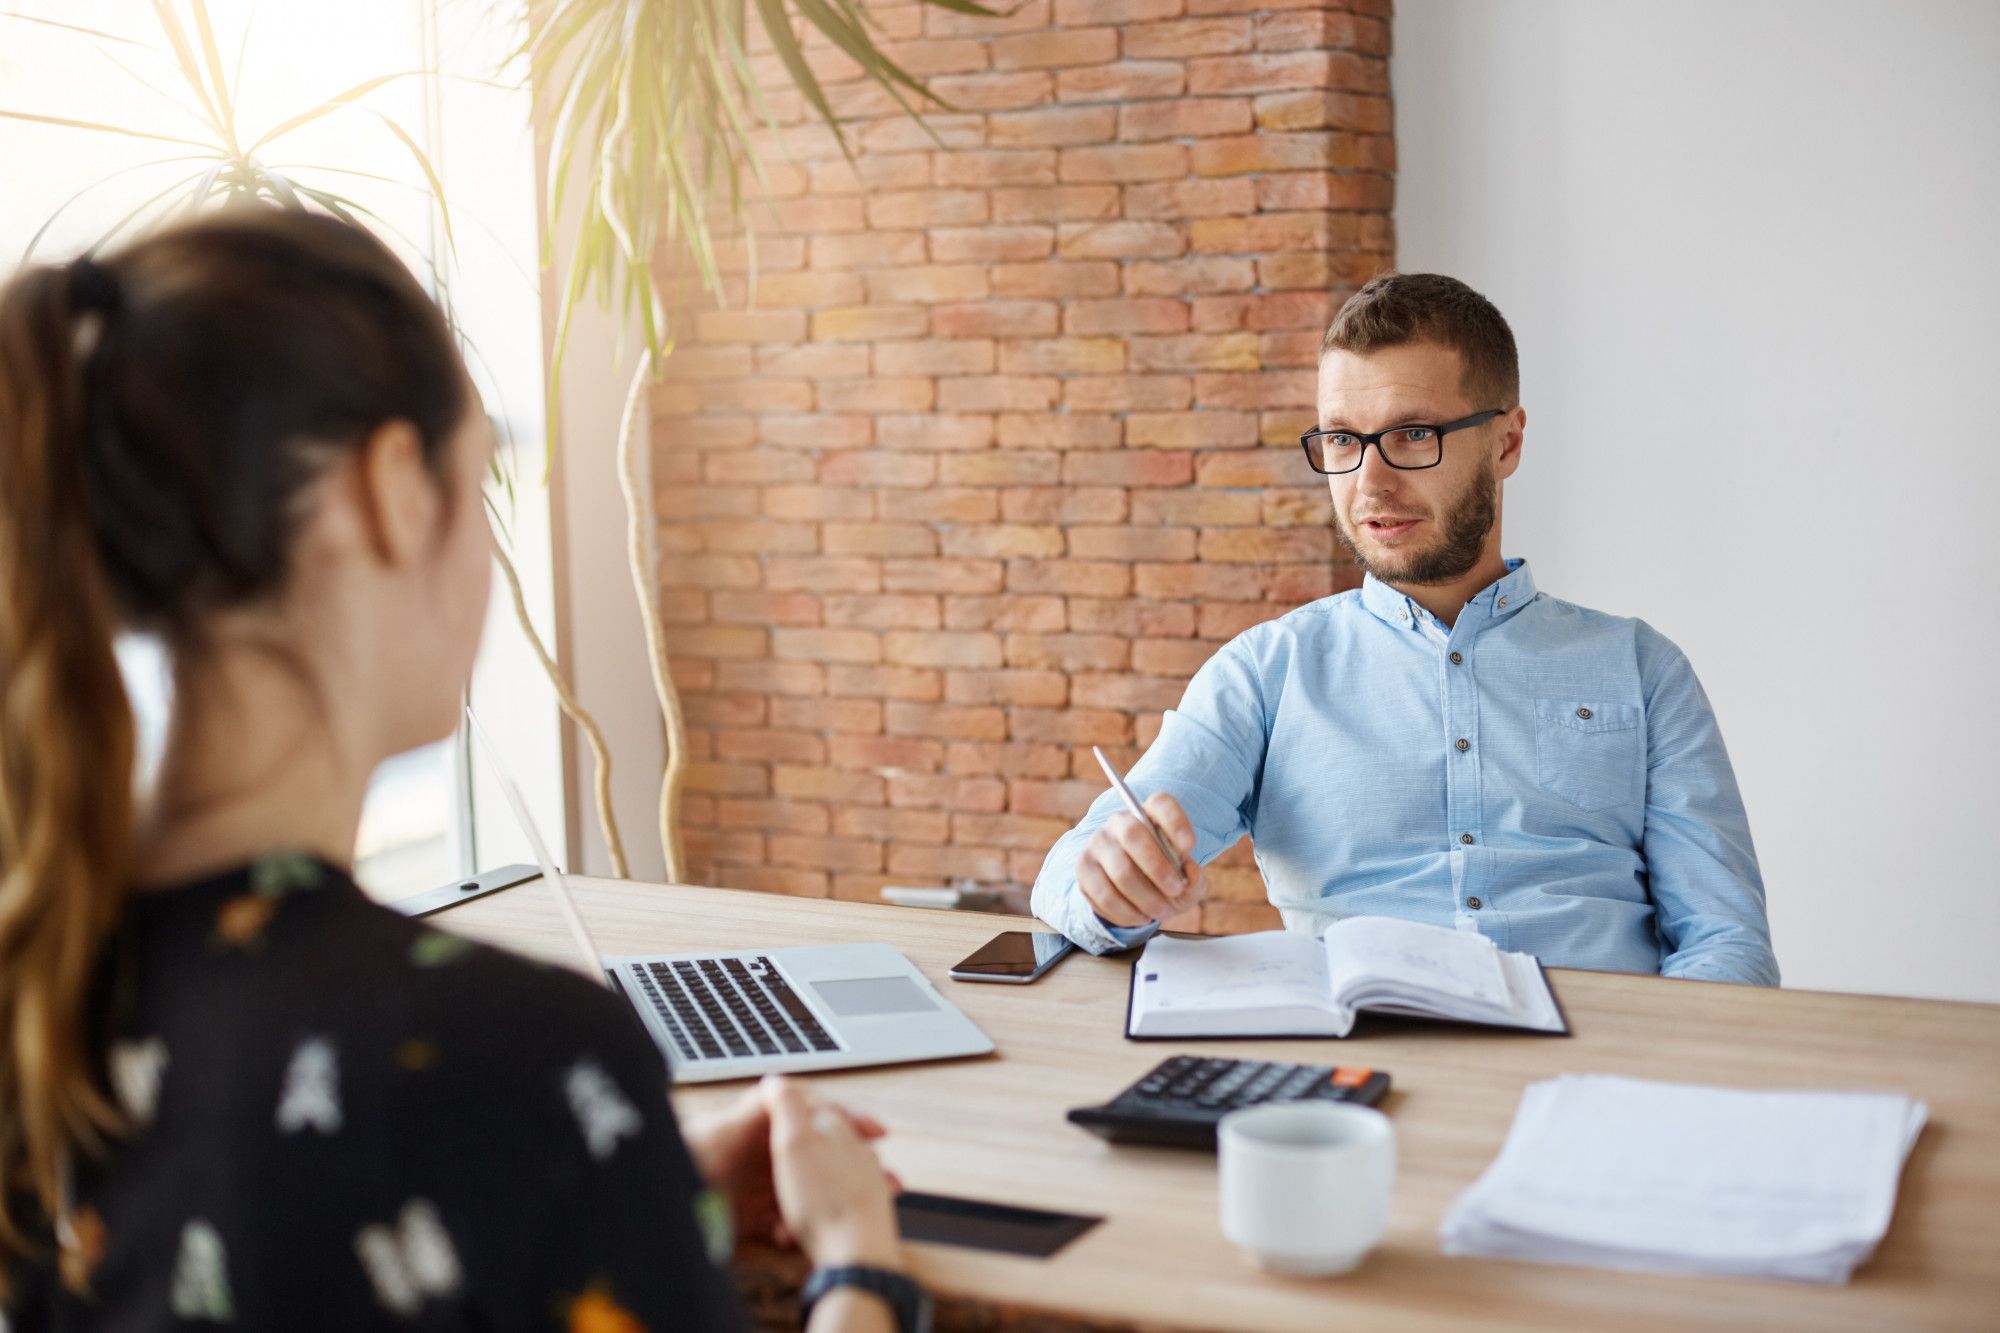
x=1548, y=776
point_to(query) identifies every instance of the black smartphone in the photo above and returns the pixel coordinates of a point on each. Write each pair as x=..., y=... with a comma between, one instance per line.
x=1016, y=956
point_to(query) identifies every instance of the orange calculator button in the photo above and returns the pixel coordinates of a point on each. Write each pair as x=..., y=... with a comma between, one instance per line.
x=1345, y=1077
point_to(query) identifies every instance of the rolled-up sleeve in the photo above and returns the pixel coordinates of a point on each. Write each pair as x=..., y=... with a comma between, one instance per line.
x=1208, y=756
x=1702, y=871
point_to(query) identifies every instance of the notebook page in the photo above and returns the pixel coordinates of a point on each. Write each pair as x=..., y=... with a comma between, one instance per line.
x=1269, y=969
x=1417, y=960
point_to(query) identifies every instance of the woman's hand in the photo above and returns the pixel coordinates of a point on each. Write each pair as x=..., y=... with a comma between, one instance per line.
x=833, y=1194
x=732, y=1150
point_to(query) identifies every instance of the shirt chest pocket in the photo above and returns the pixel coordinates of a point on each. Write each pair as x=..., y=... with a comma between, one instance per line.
x=1593, y=755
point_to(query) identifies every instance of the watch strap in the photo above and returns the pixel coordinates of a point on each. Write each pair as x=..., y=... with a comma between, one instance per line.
x=910, y=1303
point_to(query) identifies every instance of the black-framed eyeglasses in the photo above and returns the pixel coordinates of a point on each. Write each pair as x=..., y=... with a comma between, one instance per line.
x=1409, y=448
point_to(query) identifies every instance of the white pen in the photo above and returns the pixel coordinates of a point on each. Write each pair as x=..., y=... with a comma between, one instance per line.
x=1139, y=812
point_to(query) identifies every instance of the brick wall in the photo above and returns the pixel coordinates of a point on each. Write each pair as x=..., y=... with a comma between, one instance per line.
x=1006, y=445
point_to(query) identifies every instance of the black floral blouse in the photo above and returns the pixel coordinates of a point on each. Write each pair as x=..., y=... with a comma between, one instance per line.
x=343, y=1119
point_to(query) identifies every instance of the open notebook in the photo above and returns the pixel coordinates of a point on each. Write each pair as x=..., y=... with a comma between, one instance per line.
x=1276, y=984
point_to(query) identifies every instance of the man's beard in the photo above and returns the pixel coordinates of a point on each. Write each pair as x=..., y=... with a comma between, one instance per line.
x=1461, y=540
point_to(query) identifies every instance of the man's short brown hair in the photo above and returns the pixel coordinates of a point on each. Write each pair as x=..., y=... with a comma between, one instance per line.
x=1398, y=308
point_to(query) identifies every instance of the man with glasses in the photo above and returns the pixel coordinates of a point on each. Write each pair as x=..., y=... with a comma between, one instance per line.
x=1446, y=743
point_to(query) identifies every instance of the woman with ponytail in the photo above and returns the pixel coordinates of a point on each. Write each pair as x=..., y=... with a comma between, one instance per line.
x=232, y=1090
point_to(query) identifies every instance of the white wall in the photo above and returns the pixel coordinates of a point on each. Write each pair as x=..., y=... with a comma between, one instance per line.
x=1751, y=252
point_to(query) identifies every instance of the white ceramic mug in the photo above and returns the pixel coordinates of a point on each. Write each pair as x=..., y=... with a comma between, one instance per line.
x=1305, y=1185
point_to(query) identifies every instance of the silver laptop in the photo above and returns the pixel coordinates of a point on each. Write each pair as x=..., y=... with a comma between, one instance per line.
x=745, y=1012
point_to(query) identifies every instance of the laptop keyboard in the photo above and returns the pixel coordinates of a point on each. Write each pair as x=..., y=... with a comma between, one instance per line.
x=715, y=1008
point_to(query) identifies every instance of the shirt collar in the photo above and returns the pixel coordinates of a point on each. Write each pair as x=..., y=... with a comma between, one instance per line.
x=1495, y=602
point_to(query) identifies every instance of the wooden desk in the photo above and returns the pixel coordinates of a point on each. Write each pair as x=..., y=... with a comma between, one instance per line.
x=993, y=1128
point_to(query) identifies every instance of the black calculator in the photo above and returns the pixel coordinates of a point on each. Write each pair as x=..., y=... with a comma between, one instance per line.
x=1180, y=1102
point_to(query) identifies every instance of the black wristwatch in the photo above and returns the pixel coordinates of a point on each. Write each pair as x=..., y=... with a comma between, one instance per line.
x=910, y=1302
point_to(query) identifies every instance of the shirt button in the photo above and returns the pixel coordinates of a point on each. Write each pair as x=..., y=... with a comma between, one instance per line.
x=1503, y=601
x=1583, y=713
x=1473, y=903
x=1462, y=744
x=1457, y=659
x=1465, y=838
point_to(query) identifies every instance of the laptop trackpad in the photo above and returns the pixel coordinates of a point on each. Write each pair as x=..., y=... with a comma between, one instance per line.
x=862, y=997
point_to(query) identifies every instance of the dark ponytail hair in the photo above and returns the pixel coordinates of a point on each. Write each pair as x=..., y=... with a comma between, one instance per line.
x=161, y=415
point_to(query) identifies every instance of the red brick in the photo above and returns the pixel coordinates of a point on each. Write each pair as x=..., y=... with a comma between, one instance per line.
x=1063, y=356
x=942, y=576
x=814, y=215
x=898, y=539
x=989, y=245
x=1269, y=388
x=700, y=362
x=1184, y=118
x=1222, y=196
x=1317, y=189
x=1283, y=426
x=1057, y=800
x=1123, y=162
x=999, y=319
x=1032, y=831
x=1129, y=468
x=1280, y=310
x=1126, y=393
x=862, y=323
x=1055, y=203
x=909, y=393
x=1080, y=578
x=757, y=465
x=901, y=134
x=926, y=208
x=780, y=326
x=813, y=361
x=1077, y=13
x=1077, y=726
x=1190, y=430
x=763, y=745
x=720, y=641
x=725, y=710
x=924, y=284
x=1055, y=279
x=852, y=716
x=826, y=784
x=985, y=167
x=1052, y=127
x=1322, y=30
x=993, y=92
x=779, y=678
x=1141, y=315
x=1265, y=546
x=824, y=573
x=1200, y=507
x=728, y=779
x=1134, y=694
x=1282, y=272
x=808, y=431
x=867, y=249
x=802, y=289
x=890, y=171
x=1133, y=543
x=1188, y=37
x=705, y=847
x=1121, y=240
x=1196, y=351
x=882, y=611
x=1266, y=73
x=1131, y=618
x=899, y=753
x=1021, y=16
x=1004, y=613
x=771, y=816
x=1005, y=760
x=826, y=645
x=878, y=467
x=1306, y=150
x=950, y=504
x=777, y=879
x=928, y=792
x=1292, y=347
x=1043, y=50
x=917, y=684
x=683, y=607
x=858, y=886
x=1321, y=110
x=1008, y=469
x=941, y=648
x=1047, y=689
x=767, y=608
x=833, y=853
x=706, y=502
x=1178, y=658
x=1125, y=81
x=1057, y=430
x=1068, y=652
x=1226, y=620
x=999, y=393
x=894, y=825
x=1063, y=504
x=942, y=56
x=1001, y=541
x=936, y=864
x=1185, y=277
x=933, y=431
x=934, y=356
x=945, y=721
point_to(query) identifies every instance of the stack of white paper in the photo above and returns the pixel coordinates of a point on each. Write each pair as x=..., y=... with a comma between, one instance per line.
x=1673, y=1178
